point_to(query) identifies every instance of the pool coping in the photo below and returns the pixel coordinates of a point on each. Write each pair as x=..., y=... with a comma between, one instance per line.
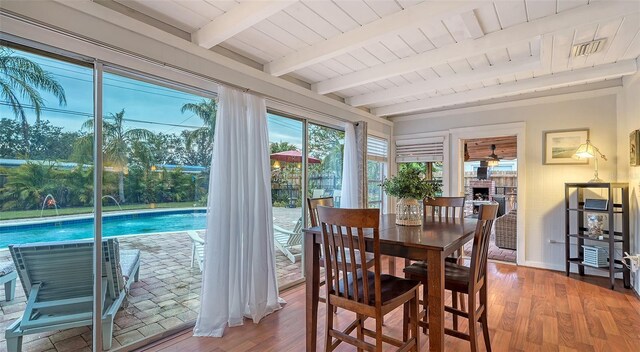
x=38, y=222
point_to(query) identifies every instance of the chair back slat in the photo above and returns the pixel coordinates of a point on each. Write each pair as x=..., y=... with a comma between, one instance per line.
x=65, y=269
x=313, y=204
x=344, y=232
x=486, y=215
x=444, y=208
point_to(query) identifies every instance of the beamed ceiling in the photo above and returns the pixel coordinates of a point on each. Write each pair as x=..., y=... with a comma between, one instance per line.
x=405, y=56
x=479, y=149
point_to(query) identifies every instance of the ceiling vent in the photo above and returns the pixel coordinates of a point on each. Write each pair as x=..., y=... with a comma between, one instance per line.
x=588, y=48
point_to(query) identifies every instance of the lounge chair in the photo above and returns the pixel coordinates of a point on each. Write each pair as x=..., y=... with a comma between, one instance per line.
x=57, y=278
x=285, y=240
x=197, y=249
x=8, y=277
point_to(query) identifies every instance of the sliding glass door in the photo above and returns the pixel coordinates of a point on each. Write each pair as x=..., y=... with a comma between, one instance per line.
x=286, y=136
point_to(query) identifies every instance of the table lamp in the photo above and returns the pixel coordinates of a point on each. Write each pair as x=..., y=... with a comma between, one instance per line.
x=588, y=150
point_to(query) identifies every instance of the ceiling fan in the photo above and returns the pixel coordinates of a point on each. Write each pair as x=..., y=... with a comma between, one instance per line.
x=493, y=159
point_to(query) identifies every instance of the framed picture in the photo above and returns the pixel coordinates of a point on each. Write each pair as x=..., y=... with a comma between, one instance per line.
x=634, y=145
x=559, y=146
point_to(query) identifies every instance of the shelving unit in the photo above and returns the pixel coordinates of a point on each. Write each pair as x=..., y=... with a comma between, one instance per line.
x=618, y=214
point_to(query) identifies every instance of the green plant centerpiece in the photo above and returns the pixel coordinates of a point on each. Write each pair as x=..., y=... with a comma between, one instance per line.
x=410, y=186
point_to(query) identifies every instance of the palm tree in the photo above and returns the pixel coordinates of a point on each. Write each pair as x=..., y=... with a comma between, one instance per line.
x=20, y=79
x=117, y=142
x=206, y=110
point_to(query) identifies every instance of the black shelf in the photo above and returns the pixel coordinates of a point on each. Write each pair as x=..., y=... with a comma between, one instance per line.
x=606, y=239
x=595, y=211
x=575, y=227
x=579, y=262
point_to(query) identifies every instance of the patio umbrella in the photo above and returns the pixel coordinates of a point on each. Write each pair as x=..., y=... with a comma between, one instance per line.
x=293, y=156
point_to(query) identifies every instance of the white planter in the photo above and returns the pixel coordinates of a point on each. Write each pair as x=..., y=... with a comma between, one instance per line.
x=409, y=212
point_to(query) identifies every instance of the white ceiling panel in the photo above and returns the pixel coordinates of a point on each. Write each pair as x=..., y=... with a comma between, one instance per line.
x=398, y=46
x=306, y=16
x=326, y=42
x=540, y=8
x=358, y=10
x=488, y=18
x=295, y=28
x=511, y=12
x=381, y=52
x=383, y=8
x=437, y=34
x=416, y=39
x=564, y=5
x=333, y=14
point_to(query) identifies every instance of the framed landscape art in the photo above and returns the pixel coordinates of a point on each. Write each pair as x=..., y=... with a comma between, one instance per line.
x=559, y=146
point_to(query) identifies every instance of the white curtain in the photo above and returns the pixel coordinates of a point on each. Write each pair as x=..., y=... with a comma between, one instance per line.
x=349, y=194
x=239, y=276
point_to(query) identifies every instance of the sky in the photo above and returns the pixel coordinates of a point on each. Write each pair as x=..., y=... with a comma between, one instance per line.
x=153, y=107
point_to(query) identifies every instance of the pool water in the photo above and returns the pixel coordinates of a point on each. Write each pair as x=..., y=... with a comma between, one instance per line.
x=111, y=226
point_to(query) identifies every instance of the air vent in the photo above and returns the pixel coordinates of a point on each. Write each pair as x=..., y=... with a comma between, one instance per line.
x=588, y=48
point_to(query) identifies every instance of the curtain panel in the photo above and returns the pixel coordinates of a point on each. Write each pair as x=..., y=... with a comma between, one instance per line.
x=239, y=276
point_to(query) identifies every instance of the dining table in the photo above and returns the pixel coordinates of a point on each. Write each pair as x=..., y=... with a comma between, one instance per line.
x=432, y=242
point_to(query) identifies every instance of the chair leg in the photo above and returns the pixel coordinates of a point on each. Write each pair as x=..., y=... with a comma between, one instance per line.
x=462, y=305
x=406, y=321
x=360, y=330
x=415, y=308
x=379, y=333
x=473, y=336
x=14, y=344
x=107, y=333
x=10, y=290
x=425, y=304
x=484, y=318
x=329, y=327
x=454, y=304
x=485, y=331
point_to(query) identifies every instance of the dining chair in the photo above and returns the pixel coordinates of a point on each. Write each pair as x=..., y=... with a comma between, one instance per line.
x=367, y=294
x=446, y=209
x=313, y=204
x=466, y=280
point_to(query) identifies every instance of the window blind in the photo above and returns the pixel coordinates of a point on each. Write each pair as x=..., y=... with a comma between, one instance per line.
x=377, y=148
x=420, y=150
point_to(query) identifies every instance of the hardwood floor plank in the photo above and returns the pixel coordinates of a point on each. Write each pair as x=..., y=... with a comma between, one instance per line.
x=529, y=310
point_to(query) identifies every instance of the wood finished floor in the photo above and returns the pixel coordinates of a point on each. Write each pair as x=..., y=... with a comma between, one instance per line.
x=529, y=310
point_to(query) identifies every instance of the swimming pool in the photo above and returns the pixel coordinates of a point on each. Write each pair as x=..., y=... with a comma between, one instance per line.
x=112, y=225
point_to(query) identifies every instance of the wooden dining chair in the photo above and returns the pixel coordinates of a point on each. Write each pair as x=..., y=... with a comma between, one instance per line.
x=313, y=204
x=445, y=209
x=367, y=294
x=467, y=280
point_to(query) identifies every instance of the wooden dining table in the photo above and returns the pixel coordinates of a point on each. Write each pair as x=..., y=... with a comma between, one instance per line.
x=431, y=242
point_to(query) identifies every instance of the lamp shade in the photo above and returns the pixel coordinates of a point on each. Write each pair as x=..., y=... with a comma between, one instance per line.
x=493, y=163
x=585, y=150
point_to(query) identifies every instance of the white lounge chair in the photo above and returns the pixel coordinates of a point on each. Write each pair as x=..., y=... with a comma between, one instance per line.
x=57, y=278
x=8, y=277
x=197, y=249
x=285, y=240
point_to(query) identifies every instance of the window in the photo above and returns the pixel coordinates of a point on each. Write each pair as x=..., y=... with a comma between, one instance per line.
x=326, y=146
x=376, y=170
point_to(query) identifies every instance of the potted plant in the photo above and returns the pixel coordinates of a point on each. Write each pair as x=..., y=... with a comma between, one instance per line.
x=410, y=186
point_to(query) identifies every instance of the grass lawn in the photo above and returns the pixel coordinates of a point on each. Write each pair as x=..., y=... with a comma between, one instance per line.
x=23, y=214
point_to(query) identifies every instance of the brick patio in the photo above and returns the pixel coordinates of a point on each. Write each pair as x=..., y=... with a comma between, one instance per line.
x=166, y=296
x=495, y=252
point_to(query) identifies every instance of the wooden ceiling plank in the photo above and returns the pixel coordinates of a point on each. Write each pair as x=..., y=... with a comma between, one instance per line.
x=477, y=75
x=236, y=20
x=366, y=34
x=561, y=79
x=597, y=11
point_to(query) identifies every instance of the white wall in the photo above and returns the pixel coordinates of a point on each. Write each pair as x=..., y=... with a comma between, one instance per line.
x=629, y=120
x=544, y=193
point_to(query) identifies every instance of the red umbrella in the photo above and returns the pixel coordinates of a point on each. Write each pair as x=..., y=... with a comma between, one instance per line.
x=293, y=156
